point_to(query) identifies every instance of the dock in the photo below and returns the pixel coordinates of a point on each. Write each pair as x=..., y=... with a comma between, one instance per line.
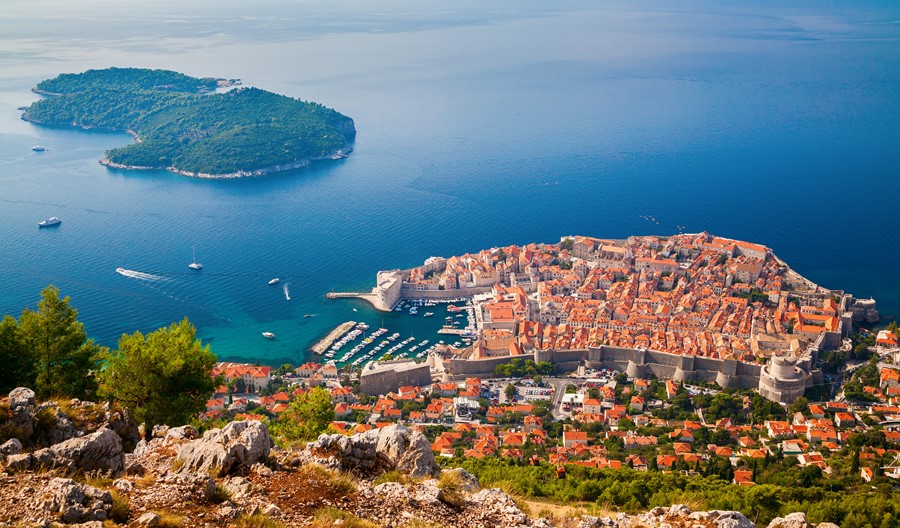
x=334, y=335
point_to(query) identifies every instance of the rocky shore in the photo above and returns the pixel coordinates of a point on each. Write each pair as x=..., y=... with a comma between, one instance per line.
x=72, y=463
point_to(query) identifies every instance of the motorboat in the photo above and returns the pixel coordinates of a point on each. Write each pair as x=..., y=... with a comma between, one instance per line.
x=194, y=265
x=52, y=221
x=39, y=148
x=274, y=281
x=268, y=335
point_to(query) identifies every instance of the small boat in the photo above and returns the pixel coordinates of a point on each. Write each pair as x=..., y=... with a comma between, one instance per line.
x=194, y=265
x=274, y=281
x=52, y=221
x=428, y=314
x=268, y=335
x=307, y=315
x=39, y=148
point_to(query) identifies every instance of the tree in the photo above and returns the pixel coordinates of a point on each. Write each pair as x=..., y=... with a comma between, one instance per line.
x=800, y=405
x=64, y=358
x=163, y=377
x=307, y=417
x=16, y=361
x=510, y=391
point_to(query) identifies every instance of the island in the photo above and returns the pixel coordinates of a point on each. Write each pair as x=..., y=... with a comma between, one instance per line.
x=200, y=127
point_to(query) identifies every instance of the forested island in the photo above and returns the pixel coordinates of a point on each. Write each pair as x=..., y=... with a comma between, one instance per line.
x=183, y=125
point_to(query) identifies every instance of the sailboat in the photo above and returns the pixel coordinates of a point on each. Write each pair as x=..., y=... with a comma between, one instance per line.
x=194, y=265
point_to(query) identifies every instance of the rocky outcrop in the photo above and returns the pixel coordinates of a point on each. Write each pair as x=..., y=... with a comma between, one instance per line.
x=224, y=451
x=21, y=410
x=100, y=451
x=675, y=515
x=375, y=451
x=793, y=520
x=69, y=502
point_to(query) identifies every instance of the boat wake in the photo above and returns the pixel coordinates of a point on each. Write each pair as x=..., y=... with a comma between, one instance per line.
x=287, y=293
x=139, y=275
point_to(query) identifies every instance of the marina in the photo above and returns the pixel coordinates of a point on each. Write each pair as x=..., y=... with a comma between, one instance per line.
x=334, y=335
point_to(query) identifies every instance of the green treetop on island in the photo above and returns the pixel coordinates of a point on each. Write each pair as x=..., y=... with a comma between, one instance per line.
x=183, y=127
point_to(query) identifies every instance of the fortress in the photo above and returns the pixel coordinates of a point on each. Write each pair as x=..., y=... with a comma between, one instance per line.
x=685, y=307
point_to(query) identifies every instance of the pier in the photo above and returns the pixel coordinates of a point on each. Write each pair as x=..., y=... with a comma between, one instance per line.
x=334, y=335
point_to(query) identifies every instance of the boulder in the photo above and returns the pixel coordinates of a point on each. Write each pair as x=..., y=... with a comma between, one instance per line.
x=732, y=519
x=224, y=451
x=493, y=507
x=428, y=493
x=393, y=491
x=11, y=447
x=468, y=482
x=21, y=410
x=70, y=502
x=149, y=519
x=377, y=450
x=793, y=520
x=237, y=487
x=100, y=451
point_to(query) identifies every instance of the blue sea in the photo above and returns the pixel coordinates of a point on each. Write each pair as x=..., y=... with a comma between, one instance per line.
x=479, y=124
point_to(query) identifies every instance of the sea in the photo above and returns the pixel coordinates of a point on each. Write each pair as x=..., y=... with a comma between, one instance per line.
x=480, y=124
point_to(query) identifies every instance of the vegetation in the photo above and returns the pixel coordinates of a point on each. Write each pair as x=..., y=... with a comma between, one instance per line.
x=48, y=350
x=257, y=520
x=790, y=490
x=163, y=377
x=518, y=368
x=331, y=516
x=308, y=416
x=184, y=128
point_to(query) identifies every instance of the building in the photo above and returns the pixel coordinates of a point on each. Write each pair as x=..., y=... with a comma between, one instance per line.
x=254, y=377
x=388, y=376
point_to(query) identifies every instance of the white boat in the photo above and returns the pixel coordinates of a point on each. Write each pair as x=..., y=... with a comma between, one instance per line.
x=274, y=281
x=268, y=335
x=39, y=148
x=428, y=314
x=52, y=221
x=194, y=265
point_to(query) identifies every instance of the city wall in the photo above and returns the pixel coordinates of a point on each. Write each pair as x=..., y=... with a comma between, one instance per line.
x=635, y=362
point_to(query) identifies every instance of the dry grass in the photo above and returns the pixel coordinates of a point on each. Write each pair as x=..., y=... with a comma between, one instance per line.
x=169, y=520
x=418, y=522
x=82, y=416
x=451, y=488
x=177, y=463
x=257, y=521
x=338, y=482
x=329, y=516
x=219, y=495
x=510, y=489
x=391, y=476
x=561, y=515
x=121, y=508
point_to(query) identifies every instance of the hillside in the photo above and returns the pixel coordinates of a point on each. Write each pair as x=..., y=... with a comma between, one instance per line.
x=180, y=126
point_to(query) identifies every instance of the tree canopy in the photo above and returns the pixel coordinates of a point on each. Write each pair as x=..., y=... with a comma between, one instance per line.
x=63, y=359
x=163, y=377
x=308, y=416
x=183, y=127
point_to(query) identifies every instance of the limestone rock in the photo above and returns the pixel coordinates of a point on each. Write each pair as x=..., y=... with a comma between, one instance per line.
x=262, y=470
x=793, y=520
x=70, y=502
x=468, y=481
x=123, y=485
x=100, y=451
x=237, y=487
x=377, y=450
x=494, y=507
x=223, y=451
x=149, y=519
x=827, y=525
x=428, y=493
x=271, y=510
x=11, y=447
x=21, y=410
x=392, y=490
x=732, y=519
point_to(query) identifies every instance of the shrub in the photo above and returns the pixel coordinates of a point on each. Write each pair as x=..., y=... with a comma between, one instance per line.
x=330, y=516
x=451, y=488
x=257, y=521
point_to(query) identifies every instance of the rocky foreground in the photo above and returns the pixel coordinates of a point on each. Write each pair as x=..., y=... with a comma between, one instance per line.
x=72, y=470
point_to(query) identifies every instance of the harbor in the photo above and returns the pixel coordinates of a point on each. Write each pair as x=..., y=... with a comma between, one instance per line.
x=354, y=344
x=323, y=345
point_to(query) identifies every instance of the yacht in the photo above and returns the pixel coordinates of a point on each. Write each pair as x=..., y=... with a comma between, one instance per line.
x=268, y=335
x=274, y=281
x=52, y=221
x=194, y=265
x=428, y=314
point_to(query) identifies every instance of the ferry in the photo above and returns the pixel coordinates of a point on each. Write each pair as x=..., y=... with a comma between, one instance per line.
x=52, y=221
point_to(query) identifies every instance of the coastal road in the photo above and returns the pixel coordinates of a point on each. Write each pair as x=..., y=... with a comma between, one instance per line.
x=559, y=389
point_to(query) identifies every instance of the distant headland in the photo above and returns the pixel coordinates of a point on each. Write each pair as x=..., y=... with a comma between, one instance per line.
x=181, y=124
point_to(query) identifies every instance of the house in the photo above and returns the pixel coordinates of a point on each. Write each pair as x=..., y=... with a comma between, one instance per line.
x=637, y=403
x=886, y=338
x=778, y=429
x=813, y=458
x=671, y=388
x=866, y=473
x=255, y=378
x=574, y=438
x=843, y=419
x=341, y=410
x=816, y=411
x=592, y=406
x=666, y=461
x=743, y=477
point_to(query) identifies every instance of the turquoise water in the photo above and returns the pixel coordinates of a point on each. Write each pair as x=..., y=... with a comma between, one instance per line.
x=478, y=125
